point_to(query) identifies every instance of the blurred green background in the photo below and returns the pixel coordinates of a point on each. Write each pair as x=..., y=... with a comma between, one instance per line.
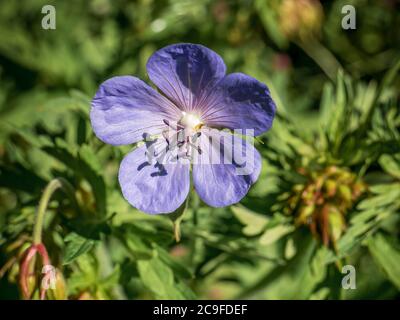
x=329, y=192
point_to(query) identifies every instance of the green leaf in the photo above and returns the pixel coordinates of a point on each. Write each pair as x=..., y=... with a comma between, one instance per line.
x=389, y=197
x=297, y=279
x=84, y=165
x=387, y=256
x=254, y=223
x=158, y=278
x=269, y=17
x=273, y=234
x=76, y=246
x=391, y=164
x=362, y=226
x=178, y=268
x=138, y=246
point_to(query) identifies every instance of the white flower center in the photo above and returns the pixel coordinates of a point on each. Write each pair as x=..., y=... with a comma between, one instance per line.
x=190, y=121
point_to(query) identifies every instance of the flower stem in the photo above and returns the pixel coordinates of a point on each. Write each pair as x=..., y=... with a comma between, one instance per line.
x=177, y=231
x=176, y=218
x=196, y=241
x=321, y=55
x=52, y=186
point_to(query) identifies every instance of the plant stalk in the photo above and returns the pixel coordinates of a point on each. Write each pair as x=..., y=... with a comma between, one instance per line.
x=53, y=185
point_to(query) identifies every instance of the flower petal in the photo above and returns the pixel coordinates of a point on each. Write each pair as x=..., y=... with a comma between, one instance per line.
x=225, y=169
x=125, y=108
x=153, y=187
x=240, y=102
x=185, y=73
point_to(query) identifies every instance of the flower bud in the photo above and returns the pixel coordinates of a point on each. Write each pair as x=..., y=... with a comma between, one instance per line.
x=336, y=224
x=300, y=18
x=324, y=201
x=358, y=189
x=330, y=187
x=345, y=193
x=59, y=292
x=304, y=213
x=31, y=285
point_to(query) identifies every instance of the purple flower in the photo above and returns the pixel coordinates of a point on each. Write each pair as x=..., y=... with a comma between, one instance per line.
x=181, y=126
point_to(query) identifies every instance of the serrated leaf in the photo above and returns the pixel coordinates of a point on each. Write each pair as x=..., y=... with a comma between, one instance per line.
x=391, y=164
x=76, y=246
x=381, y=200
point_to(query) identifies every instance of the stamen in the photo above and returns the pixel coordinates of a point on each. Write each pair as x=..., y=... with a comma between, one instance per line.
x=196, y=136
x=181, y=143
x=178, y=126
x=199, y=150
x=165, y=136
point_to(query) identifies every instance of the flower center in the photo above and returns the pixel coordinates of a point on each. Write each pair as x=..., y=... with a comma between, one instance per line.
x=182, y=137
x=191, y=122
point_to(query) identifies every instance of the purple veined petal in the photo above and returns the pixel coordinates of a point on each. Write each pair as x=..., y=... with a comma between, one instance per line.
x=240, y=102
x=125, y=109
x=186, y=73
x=225, y=170
x=153, y=187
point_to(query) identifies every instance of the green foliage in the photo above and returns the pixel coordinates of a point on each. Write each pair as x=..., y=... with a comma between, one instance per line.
x=76, y=246
x=338, y=107
x=387, y=256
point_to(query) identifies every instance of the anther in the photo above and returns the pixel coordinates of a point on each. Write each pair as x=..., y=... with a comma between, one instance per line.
x=177, y=127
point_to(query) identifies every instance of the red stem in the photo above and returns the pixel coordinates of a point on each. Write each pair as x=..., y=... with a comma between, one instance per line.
x=30, y=253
